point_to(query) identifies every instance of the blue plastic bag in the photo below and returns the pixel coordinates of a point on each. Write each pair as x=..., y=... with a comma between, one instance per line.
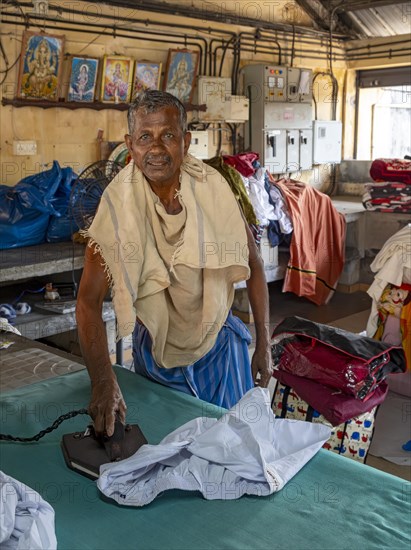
x=25, y=209
x=62, y=227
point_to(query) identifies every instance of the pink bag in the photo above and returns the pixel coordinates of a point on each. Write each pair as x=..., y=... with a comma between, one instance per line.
x=335, y=406
x=342, y=360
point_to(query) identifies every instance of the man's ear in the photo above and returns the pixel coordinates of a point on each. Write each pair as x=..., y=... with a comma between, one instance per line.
x=128, y=140
x=187, y=141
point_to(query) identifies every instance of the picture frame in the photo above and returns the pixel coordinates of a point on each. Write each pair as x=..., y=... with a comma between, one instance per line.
x=82, y=81
x=40, y=68
x=180, y=74
x=116, y=79
x=147, y=76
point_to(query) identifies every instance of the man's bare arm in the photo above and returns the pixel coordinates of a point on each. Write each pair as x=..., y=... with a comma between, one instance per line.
x=259, y=300
x=106, y=399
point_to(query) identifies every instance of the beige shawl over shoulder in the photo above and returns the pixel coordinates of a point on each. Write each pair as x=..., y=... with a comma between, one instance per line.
x=213, y=240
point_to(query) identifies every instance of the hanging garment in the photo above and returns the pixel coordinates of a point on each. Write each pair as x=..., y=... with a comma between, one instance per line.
x=243, y=162
x=246, y=451
x=394, y=318
x=259, y=197
x=317, y=249
x=392, y=268
x=26, y=519
x=237, y=186
x=280, y=209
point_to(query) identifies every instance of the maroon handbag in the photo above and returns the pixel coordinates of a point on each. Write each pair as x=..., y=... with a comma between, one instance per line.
x=337, y=407
x=342, y=360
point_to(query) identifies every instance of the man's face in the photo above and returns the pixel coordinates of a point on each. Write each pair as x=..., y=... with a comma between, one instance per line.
x=158, y=145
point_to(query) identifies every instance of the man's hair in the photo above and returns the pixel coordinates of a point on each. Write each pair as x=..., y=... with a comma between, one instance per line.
x=151, y=101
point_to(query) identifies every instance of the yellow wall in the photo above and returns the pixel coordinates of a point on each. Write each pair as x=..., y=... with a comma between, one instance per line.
x=70, y=136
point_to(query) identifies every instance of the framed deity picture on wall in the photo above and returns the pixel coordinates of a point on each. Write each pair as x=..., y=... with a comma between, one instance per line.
x=116, y=79
x=40, y=69
x=180, y=74
x=83, y=79
x=146, y=77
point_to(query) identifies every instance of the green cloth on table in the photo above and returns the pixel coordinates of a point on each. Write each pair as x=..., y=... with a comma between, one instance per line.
x=237, y=187
x=333, y=502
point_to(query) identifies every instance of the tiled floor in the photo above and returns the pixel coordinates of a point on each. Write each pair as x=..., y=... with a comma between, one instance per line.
x=347, y=311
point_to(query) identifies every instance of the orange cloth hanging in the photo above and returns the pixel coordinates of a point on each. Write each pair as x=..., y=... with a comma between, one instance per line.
x=317, y=249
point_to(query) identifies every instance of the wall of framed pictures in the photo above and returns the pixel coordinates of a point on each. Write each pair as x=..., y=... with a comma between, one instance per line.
x=86, y=79
x=54, y=63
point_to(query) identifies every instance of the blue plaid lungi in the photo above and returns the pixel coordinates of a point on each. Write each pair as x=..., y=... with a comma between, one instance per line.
x=221, y=377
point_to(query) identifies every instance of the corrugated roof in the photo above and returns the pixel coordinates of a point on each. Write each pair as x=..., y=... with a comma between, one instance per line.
x=383, y=21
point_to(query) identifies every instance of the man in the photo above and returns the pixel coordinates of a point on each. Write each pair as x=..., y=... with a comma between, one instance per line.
x=170, y=241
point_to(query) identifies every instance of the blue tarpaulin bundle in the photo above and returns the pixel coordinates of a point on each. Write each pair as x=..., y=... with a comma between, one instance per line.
x=35, y=210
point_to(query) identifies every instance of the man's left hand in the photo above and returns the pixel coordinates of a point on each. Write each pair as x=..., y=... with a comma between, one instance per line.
x=262, y=366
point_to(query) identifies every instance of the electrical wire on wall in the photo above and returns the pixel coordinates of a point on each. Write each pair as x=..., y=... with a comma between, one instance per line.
x=8, y=67
x=293, y=48
x=334, y=96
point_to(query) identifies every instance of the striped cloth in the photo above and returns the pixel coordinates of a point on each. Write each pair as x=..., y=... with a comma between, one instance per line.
x=221, y=377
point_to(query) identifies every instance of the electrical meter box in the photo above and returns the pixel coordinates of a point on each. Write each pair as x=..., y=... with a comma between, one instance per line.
x=199, y=144
x=279, y=128
x=266, y=83
x=299, y=85
x=212, y=92
x=327, y=141
x=237, y=108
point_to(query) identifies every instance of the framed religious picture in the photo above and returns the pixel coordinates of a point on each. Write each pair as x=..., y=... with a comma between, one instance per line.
x=83, y=79
x=180, y=74
x=40, y=66
x=146, y=77
x=116, y=79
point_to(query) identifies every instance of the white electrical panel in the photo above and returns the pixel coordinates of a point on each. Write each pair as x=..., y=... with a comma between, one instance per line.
x=237, y=108
x=327, y=141
x=306, y=149
x=280, y=123
x=212, y=92
x=199, y=144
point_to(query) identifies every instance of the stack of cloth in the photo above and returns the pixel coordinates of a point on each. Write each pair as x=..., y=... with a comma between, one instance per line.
x=391, y=191
x=334, y=377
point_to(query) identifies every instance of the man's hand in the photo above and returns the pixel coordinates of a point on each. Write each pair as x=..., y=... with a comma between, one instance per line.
x=106, y=401
x=262, y=366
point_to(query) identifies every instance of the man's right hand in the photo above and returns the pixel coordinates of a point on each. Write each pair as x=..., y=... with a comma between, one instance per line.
x=106, y=401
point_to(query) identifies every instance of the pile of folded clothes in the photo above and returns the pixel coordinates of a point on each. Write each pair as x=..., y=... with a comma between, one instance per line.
x=332, y=376
x=391, y=191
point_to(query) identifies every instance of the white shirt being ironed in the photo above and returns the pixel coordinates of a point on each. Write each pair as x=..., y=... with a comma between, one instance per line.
x=245, y=452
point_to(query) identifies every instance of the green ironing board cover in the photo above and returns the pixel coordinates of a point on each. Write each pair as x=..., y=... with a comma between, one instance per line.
x=332, y=503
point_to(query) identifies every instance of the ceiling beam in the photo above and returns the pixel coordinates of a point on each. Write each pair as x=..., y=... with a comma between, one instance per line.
x=356, y=5
x=317, y=12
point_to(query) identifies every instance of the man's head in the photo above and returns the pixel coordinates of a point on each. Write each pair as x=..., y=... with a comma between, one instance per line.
x=153, y=100
x=158, y=138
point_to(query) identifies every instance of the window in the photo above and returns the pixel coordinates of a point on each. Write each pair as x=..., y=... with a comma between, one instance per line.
x=384, y=114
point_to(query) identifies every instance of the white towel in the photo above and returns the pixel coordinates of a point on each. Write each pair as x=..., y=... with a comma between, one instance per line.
x=214, y=240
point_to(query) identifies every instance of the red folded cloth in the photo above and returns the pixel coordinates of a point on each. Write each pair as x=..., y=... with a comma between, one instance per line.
x=398, y=170
x=337, y=407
